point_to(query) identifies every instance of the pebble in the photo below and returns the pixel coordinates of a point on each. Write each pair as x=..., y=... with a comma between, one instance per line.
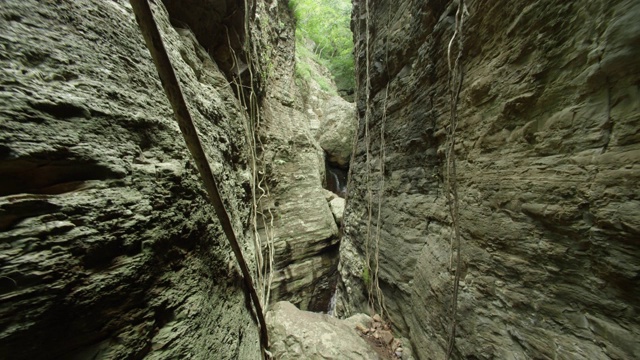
x=363, y=329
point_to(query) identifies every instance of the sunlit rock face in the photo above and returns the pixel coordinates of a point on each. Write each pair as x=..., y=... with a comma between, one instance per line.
x=295, y=213
x=548, y=162
x=337, y=130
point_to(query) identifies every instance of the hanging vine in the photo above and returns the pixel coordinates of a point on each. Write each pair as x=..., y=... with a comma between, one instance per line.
x=259, y=186
x=371, y=271
x=367, y=139
x=376, y=276
x=263, y=245
x=455, y=79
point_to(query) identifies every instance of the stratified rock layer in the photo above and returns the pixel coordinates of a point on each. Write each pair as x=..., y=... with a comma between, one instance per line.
x=548, y=149
x=108, y=247
x=295, y=213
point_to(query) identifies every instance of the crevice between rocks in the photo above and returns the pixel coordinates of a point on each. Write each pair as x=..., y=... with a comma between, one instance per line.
x=35, y=176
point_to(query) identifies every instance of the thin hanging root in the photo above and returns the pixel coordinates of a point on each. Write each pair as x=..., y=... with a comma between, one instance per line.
x=254, y=115
x=373, y=286
x=367, y=115
x=252, y=156
x=456, y=77
x=379, y=294
x=356, y=134
x=15, y=283
x=264, y=268
x=154, y=42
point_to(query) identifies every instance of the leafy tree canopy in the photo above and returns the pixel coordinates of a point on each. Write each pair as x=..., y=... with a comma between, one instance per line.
x=326, y=24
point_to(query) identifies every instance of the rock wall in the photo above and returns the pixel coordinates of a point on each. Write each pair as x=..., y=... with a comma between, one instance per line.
x=294, y=212
x=301, y=126
x=109, y=248
x=548, y=151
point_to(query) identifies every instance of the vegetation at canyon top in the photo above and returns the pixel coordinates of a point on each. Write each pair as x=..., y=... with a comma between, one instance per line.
x=323, y=35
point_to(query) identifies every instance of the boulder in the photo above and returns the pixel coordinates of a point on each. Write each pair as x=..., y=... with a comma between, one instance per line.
x=337, y=208
x=296, y=334
x=337, y=128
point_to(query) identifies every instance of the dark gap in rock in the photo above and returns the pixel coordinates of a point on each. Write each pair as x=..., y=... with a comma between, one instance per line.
x=62, y=110
x=325, y=279
x=210, y=21
x=7, y=284
x=5, y=151
x=218, y=25
x=49, y=177
x=336, y=177
x=100, y=255
x=325, y=286
x=163, y=316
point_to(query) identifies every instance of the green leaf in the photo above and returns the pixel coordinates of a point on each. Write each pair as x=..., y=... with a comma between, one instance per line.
x=326, y=24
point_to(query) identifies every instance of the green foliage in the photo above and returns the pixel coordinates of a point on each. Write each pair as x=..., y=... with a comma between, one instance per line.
x=304, y=69
x=326, y=24
x=366, y=277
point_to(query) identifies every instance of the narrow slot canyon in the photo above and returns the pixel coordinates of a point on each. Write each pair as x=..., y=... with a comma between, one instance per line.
x=344, y=179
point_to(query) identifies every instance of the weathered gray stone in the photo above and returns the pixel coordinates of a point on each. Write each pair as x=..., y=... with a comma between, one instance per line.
x=330, y=118
x=297, y=334
x=337, y=208
x=337, y=129
x=109, y=248
x=304, y=231
x=329, y=195
x=548, y=154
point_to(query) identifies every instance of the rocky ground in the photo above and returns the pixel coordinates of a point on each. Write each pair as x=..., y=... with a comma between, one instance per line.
x=299, y=334
x=379, y=335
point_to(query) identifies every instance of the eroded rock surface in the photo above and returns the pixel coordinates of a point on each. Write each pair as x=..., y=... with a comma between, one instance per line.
x=294, y=209
x=332, y=120
x=337, y=129
x=337, y=208
x=548, y=151
x=297, y=334
x=109, y=249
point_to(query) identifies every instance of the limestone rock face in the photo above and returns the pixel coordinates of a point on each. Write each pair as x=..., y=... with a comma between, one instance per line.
x=331, y=119
x=294, y=209
x=337, y=208
x=297, y=215
x=548, y=162
x=297, y=334
x=109, y=248
x=337, y=128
